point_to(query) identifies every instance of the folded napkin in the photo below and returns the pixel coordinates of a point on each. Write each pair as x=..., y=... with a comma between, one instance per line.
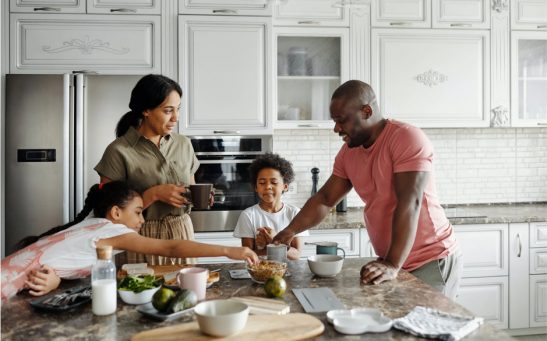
x=434, y=324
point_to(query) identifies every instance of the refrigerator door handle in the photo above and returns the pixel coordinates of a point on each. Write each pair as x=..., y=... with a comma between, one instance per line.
x=79, y=142
x=68, y=203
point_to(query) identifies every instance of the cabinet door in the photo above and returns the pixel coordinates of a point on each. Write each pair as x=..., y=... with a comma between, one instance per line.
x=529, y=78
x=538, y=261
x=55, y=43
x=538, y=301
x=47, y=6
x=487, y=298
x=367, y=250
x=401, y=13
x=347, y=239
x=217, y=238
x=225, y=73
x=528, y=15
x=432, y=78
x=311, y=64
x=484, y=248
x=124, y=6
x=226, y=7
x=311, y=13
x=538, y=234
x=461, y=13
x=518, y=276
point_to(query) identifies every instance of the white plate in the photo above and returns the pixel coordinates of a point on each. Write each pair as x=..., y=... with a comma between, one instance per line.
x=359, y=321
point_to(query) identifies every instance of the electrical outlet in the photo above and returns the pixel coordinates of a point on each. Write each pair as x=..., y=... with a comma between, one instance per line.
x=293, y=188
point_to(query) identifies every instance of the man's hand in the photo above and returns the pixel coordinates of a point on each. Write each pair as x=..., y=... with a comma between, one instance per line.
x=284, y=236
x=378, y=271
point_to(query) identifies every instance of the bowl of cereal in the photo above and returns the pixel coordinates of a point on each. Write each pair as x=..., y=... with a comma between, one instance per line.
x=265, y=269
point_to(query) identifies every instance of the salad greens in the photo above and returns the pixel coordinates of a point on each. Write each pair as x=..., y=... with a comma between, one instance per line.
x=139, y=283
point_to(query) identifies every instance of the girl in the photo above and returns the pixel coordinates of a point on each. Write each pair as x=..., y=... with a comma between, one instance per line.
x=68, y=251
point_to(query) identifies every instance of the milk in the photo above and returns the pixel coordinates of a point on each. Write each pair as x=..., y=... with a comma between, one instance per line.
x=104, y=296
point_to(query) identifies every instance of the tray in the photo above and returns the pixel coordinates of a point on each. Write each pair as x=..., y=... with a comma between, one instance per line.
x=149, y=311
x=64, y=300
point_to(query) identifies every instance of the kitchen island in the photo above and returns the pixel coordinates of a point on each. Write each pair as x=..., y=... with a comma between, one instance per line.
x=394, y=299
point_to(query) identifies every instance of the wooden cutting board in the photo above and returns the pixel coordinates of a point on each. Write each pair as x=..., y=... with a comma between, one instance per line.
x=262, y=305
x=259, y=327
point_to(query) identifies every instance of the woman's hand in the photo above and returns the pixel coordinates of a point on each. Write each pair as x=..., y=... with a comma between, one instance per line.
x=42, y=281
x=171, y=194
x=242, y=253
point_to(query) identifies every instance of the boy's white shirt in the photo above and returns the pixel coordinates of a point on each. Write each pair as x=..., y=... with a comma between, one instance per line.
x=254, y=217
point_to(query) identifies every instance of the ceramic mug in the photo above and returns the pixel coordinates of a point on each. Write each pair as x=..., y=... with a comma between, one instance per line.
x=276, y=252
x=200, y=194
x=328, y=248
x=194, y=279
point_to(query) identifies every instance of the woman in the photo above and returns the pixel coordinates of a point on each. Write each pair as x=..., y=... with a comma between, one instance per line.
x=156, y=161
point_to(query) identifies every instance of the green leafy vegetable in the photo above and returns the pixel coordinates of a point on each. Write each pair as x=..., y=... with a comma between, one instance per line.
x=139, y=283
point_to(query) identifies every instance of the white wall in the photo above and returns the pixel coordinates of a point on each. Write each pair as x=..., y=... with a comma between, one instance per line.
x=494, y=165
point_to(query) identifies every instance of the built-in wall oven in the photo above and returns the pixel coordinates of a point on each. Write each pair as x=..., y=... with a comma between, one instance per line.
x=224, y=162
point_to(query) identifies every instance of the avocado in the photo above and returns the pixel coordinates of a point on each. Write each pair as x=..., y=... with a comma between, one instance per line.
x=184, y=299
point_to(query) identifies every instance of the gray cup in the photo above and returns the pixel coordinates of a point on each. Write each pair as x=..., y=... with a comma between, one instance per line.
x=200, y=194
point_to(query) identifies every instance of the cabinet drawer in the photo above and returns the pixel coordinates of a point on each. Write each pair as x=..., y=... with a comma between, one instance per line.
x=461, y=13
x=538, y=234
x=347, y=239
x=529, y=14
x=217, y=238
x=538, y=301
x=487, y=298
x=108, y=44
x=538, y=261
x=310, y=13
x=484, y=248
x=226, y=7
x=124, y=7
x=47, y=6
x=401, y=13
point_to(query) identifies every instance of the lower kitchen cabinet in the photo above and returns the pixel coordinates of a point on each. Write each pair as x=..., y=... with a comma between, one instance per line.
x=217, y=238
x=538, y=300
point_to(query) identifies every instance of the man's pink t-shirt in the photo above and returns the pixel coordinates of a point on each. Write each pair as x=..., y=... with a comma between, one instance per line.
x=399, y=148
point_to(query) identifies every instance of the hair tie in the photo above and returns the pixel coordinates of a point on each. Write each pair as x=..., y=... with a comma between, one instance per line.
x=101, y=185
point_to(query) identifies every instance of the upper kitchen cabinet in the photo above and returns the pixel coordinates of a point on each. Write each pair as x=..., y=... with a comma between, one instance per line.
x=311, y=64
x=454, y=14
x=311, y=13
x=528, y=15
x=226, y=7
x=529, y=78
x=89, y=6
x=56, y=43
x=225, y=71
x=432, y=78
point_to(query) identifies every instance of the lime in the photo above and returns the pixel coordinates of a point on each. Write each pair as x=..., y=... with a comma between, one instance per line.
x=161, y=299
x=275, y=286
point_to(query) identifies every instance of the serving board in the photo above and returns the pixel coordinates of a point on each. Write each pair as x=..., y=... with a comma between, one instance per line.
x=262, y=305
x=259, y=327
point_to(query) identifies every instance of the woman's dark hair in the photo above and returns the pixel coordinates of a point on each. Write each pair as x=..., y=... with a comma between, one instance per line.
x=149, y=92
x=271, y=160
x=99, y=200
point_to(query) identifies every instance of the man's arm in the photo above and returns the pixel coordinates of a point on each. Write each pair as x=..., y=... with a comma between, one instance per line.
x=315, y=209
x=409, y=189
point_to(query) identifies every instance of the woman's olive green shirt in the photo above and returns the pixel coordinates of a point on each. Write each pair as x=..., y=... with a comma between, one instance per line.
x=137, y=160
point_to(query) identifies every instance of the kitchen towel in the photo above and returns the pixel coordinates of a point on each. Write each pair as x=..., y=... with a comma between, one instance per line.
x=434, y=324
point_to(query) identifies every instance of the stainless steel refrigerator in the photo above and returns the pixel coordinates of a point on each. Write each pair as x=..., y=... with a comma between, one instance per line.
x=56, y=129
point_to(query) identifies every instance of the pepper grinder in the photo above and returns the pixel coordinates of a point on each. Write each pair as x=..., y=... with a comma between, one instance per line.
x=314, y=179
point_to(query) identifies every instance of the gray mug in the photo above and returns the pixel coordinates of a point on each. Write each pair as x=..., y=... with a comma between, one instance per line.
x=328, y=248
x=200, y=194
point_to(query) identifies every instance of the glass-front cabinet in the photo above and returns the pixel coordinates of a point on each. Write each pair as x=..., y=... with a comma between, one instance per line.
x=529, y=74
x=311, y=64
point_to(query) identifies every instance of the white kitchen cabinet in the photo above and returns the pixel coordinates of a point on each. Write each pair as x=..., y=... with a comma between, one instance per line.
x=529, y=78
x=226, y=7
x=538, y=234
x=311, y=13
x=486, y=297
x=217, y=238
x=433, y=78
x=473, y=14
x=347, y=239
x=528, y=15
x=311, y=63
x=401, y=13
x=56, y=43
x=89, y=6
x=519, y=260
x=538, y=301
x=367, y=250
x=225, y=70
x=538, y=261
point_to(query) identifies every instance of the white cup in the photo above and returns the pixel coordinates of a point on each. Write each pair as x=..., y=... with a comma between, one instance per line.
x=277, y=252
x=293, y=113
x=194, y=279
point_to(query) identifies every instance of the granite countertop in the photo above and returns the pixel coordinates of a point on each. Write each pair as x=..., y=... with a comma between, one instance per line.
x=395, y=298
x=457, y=215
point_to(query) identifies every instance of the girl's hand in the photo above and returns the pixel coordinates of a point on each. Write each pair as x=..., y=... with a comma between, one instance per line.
x=242, y=253
x=171, y=194
x=42, y=281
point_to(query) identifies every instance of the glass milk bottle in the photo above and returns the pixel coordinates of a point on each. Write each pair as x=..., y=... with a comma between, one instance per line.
x=103, y=283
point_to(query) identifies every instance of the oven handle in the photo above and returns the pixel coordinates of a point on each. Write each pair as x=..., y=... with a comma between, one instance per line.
x=224, y=161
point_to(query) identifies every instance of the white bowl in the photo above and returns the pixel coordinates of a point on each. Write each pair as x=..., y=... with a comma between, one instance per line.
x=221, y=317
x=355, y=312
x=363, y=323
x=142, y=297
x=325, y=265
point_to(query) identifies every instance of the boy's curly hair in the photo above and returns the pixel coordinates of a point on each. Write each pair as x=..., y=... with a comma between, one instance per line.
x=271, y=160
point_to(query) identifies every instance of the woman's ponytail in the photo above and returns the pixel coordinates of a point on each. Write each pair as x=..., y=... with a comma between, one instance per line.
x=130, y=119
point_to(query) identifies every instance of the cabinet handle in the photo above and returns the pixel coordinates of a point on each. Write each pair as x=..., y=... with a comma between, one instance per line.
x=542, y=124
x=47, y=9
x=308, y=125
x=460, y=25
x=399, y=24
x=520, y=246
x=225, y=11
x=542, y=26
x=308, y=22
x=123, y=10
x=225, y=131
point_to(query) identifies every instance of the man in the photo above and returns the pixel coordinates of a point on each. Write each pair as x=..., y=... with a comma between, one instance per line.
x=390, y=165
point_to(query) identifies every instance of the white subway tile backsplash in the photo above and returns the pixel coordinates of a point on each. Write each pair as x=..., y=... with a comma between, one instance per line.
x=472, y=165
